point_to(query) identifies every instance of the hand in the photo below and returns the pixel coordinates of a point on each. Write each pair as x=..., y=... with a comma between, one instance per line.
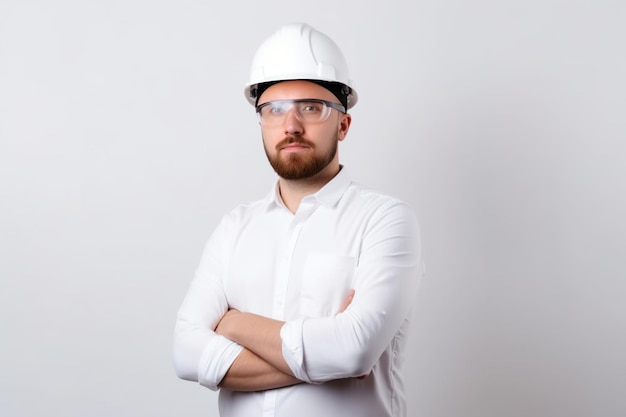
x=347, y=301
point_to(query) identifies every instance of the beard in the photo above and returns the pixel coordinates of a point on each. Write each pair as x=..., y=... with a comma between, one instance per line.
x=293, y=166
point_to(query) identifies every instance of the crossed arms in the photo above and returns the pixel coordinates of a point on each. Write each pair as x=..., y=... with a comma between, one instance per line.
x=220, y=347
x=261, y=364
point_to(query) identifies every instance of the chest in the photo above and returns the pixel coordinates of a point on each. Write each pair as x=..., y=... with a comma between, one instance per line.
x=289, y=270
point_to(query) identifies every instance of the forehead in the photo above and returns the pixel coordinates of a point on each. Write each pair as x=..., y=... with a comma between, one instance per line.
x=296, y=89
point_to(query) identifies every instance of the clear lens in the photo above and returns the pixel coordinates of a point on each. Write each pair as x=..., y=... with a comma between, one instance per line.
x=305, y=110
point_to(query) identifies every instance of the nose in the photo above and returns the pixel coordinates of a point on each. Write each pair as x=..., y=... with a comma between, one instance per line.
x=293, y=126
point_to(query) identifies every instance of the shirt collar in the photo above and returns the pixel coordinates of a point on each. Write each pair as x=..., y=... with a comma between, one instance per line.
x=328, y=195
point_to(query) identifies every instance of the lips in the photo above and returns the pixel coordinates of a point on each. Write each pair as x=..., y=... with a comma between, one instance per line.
x=294, y=146
x=291, y=143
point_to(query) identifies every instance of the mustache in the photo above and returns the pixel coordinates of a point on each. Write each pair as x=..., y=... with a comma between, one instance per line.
x=288, y=140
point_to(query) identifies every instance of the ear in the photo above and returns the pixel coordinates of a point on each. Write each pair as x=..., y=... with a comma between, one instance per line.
x=344, y=126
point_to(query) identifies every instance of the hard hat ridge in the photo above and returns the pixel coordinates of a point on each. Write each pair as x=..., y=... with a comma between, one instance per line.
x=297, y=51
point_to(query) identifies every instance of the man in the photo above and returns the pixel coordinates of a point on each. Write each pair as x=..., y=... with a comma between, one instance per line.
x=300, y=305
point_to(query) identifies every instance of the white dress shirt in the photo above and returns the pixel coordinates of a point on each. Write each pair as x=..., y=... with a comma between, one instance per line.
x=298, y=268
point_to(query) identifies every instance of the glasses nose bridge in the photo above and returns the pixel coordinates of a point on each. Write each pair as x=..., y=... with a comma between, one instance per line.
x=292, y=119
x=291, y=108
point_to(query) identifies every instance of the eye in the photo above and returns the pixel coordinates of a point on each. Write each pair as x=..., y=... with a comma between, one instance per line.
x=310, y=107
x=277, y=108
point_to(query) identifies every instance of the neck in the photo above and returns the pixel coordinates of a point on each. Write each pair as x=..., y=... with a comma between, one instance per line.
x=293, y=191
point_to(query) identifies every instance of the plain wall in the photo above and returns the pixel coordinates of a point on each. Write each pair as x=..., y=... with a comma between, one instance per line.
x=125, y=135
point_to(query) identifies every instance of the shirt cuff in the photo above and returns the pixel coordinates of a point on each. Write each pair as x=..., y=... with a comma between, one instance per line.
x=293, y=350
x=216, y=360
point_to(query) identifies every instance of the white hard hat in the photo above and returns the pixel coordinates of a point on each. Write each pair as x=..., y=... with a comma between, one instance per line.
x=298, y=51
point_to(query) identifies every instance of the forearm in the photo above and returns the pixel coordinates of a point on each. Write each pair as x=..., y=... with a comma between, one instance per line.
x=262, y=360
x=259, y=334
x=250, y=372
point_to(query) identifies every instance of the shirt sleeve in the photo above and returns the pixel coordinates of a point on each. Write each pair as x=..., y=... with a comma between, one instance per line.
x=199, y=353
x=386, y=282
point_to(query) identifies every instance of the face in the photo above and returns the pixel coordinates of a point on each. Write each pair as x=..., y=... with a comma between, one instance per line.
x=298, y=150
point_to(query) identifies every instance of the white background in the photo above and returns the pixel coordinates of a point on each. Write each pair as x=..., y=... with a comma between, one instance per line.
x=124, y=136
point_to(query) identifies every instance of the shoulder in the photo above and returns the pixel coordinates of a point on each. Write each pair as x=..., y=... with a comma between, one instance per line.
x=234, y=221
x=374, y=201
x=241, y=213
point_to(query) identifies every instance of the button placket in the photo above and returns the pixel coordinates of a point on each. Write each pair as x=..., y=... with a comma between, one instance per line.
x=285, y=255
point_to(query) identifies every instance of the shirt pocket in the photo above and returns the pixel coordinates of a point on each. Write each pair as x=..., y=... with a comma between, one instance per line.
x=326, y=280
